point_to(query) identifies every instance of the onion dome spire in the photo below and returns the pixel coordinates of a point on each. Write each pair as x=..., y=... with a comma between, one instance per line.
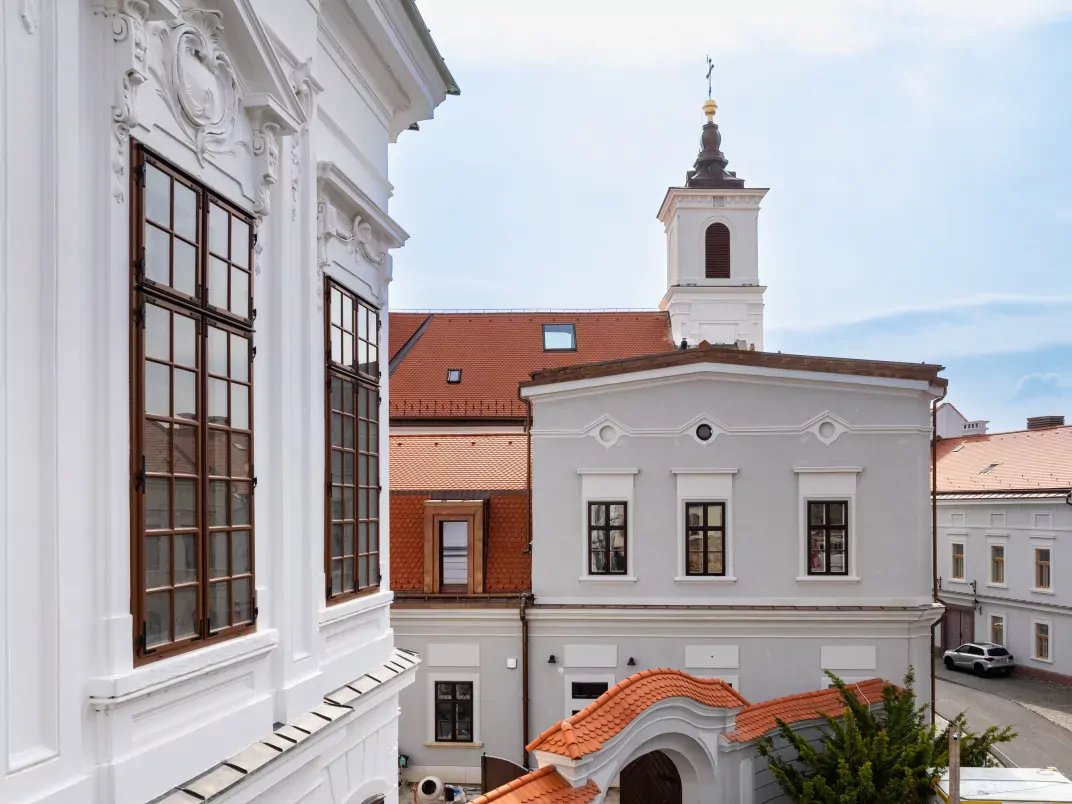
x=710, y=172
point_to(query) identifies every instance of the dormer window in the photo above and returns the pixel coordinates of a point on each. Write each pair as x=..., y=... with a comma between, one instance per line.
x=454, y=376
x=559, y=338
x=717, y=252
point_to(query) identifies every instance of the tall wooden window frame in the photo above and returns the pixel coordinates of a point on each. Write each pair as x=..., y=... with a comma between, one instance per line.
x=1042, y=568
x=192, y=478
x=475, y=514
x=828, y=536
x=608, y=537
x=997, y=563
x=1041, y=641
x=352, y=445
x=705, y=538
x=997, y=629
x=454, y=715
x=956, y=564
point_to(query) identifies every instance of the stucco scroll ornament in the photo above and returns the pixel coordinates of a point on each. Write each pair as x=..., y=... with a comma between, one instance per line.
x=128, y=30
x=197, y=80
x=266, y=153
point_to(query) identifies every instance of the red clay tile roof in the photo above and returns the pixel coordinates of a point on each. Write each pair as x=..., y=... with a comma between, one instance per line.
x=407, y=542
x=1026, y=459
x=496, y=351
x=586, y=731
x=759, y=719
x=706, y=353
x=479, y=462
x=543, y=786
x=400, y=329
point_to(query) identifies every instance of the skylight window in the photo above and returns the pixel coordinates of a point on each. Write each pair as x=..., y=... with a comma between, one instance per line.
x=990, y=468
x=559, y=338
x=958, y=448
x=454, y=376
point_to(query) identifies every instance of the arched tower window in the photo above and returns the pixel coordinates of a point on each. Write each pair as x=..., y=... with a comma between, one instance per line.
x=717, y=252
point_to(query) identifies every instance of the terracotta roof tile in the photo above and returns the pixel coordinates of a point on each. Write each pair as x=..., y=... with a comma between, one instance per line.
x=451, y=462
x=543, y=786
x=586, y=731
x=1026, y=459
x=407, y=542
x=759, y=719
x=496, y=351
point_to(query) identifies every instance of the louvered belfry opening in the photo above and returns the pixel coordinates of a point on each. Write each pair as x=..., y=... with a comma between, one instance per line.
x=717, y=252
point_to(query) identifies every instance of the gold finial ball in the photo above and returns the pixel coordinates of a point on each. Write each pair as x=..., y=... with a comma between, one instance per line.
x=709, y=108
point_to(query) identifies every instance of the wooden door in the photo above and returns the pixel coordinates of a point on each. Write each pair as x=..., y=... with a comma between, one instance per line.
x=651, y=779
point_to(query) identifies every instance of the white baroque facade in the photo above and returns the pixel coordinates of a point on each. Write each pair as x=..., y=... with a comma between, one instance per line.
x=275, y=115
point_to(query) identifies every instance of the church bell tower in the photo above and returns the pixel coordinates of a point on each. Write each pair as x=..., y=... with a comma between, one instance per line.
x=712, y=251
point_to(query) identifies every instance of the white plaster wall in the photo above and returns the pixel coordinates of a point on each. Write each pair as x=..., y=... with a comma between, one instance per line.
x=80, y=722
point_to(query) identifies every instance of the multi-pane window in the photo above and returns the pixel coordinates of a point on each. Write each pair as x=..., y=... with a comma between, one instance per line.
x=606, y=538
x=997, y=563
x=1042, y=641
x=352, y=553
x=997, y=629
x=957, y=569
x=1042, y=568
x=583, y=691
x=192, y=424
x=705, y=538
x=559, y=338
x=828, y=537
x=454, y=711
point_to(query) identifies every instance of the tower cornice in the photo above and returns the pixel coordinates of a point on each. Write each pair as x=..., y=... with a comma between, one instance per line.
x=705, y=198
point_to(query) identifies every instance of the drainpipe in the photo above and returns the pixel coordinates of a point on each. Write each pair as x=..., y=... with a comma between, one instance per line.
x=526, y=598
x=934, y=535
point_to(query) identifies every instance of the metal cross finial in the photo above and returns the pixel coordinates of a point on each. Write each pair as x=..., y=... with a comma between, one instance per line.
x=710, y=69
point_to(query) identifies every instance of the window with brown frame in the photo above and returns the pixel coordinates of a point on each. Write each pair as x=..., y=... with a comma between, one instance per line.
x=192, y=413
x=352, y=540
x=454, y=546
x=607, y=547
x=454, y=711
x=705, y=538
x=957, y=569
x=1042, y=568
x=828, y=537
x=997, y=563
x=717, y=252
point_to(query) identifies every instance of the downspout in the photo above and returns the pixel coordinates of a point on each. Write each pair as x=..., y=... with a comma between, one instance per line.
x=934, y=536
x=526, y=597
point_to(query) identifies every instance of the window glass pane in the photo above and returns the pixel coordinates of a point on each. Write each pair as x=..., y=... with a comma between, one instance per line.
x=336, y=345
x=347, y=539
x=157, y=254
x=217, y=401
x=156, y=446
x=185, y=612
x=219, y=605
x=444, y=690
x=336, y=307
x=239, y=358
x=217, y=452
x=348, y=433
x=597, y=539
x=362, y=358
x=714, y=563
x=347, y=354
x=240, y=503
x=336, y=393
x=837, y=561
x=336, y=541
x=597, y=514
x=157, y=332
x=362, y=572
x=157, y=619
x=185, y=394
x=185, y=340
x=217, y=351
x=817, y=561
x=837, y=514
x=217, y=502
x=185, y=503
x=714, y=516
x=239, y=406
x=185, y=266
x=157, y=389
x=239, y=292
x=157, y=196
x=617, y=539
x=217, y=283
x=242, y=603
x=817, y=515
x=348, y=573
x=185, y=211
x=598, y=562
x=363, y=538
x=695, y=540
x=185, y=557
x=617, y=515
x=217, y=555
x=336, y=577
x=454, y=548
x=157, y=561
x=695, y=563
x=239, y=455
x=836, y=540
x=217, y=229
x=374, y=570
x=157, y=507
x=617, y=561
x=239, y=242
x=346, y=467
x=558, y=336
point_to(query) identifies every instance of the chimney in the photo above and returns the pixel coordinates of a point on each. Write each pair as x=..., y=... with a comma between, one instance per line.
x=1039, y=422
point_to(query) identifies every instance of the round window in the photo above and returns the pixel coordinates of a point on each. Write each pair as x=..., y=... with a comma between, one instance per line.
x=704, y=432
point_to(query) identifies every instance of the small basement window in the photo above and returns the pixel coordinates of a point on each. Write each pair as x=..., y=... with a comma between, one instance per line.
x=454, y=376
x=559, y=338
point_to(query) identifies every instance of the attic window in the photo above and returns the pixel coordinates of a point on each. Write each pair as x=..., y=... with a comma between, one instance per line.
x=559, y=338
x=454, y=376
x=958, y=448
x=990, y=468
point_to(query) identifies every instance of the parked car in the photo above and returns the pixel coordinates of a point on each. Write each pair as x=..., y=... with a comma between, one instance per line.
x=982, y=658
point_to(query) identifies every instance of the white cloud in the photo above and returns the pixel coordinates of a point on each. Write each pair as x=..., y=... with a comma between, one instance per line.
x=634, y=32
x=1042, y=384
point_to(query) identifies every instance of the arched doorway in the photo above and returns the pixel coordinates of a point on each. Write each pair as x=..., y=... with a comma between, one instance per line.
x=651, y=778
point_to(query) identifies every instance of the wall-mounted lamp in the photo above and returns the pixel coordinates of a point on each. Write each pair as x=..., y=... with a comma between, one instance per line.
x=631, y=662
x=939, y=581
x=552, y=660
x=975, y=600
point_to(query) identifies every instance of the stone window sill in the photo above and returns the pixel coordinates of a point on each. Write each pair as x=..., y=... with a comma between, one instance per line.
x=705, y=579
x=959, y=581
x=608, y=578
x=828, y=579
x=340, y=612
x=110, y=691
x=1042, y=591
x=454, y=745
x=998, y=585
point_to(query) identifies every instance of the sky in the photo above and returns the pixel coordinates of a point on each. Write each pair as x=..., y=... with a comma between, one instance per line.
x=918, y=155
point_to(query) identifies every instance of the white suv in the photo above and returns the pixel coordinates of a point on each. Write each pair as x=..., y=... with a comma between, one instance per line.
x=982, y=658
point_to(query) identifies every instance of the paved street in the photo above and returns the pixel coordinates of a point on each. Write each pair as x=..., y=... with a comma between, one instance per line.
x=997, y=701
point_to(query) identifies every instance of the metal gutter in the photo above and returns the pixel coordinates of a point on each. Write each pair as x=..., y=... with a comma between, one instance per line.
x=396, y=361
x=425, y=35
